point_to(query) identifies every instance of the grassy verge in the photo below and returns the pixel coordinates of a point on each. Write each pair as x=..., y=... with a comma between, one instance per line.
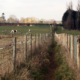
x=63, y=71
x=47, y=63
x=58, y=69
x=34, y=68
x=72, y=32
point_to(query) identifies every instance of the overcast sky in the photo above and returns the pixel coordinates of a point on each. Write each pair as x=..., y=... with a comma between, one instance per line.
x=42, y=9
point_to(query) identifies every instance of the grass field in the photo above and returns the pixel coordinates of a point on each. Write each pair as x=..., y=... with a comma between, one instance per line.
x=24, y=29
x=72, y=32
x=7, y=38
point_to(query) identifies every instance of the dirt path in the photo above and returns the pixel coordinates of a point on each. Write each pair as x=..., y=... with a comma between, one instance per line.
x=50, y=74
x=52, y=67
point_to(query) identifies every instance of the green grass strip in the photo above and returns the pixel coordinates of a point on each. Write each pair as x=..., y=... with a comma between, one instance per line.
x=71, y=32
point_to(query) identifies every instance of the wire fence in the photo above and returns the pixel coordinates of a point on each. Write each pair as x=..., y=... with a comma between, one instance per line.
x=19, y=51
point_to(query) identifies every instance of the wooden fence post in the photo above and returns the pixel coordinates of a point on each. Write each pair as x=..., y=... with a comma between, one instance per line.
x=38, y=40
x=35, y=42
x=63, y=39
x=69, y=43
x=72, y=47
x=46, y=35
x=66, y=40
x=49, y=35
x=42, y=39
x=58, y=36
x=14, y=53
x=25, y=47
x=78, y=53
x=31, y=44
x=51, y=30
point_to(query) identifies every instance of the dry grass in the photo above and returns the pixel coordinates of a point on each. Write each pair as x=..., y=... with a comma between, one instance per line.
x=22, y=73
x=24, y=70
x=7, y=53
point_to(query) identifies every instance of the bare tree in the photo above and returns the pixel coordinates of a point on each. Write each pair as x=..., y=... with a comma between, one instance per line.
x=78, y=16
x=12, y=19
x=70, y=6
x=69, y=24
x=22, y=20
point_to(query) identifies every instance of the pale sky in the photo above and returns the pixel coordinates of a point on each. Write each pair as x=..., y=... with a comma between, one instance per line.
x=42, y=9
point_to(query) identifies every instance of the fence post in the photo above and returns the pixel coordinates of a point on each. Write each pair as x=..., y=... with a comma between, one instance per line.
x=48, y=35
x=66, y=40
x=35, y=42
x=45, y=36
x=72, y=46
x=69, y=43
x=14, y=53
x=78, y=53
x=51, y=30
x=25, y=47
x=40, y=38
x=63, y=39
x=31, y=44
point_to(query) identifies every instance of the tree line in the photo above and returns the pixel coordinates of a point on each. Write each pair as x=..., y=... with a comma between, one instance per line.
x=71, y=18
x=14, y=19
